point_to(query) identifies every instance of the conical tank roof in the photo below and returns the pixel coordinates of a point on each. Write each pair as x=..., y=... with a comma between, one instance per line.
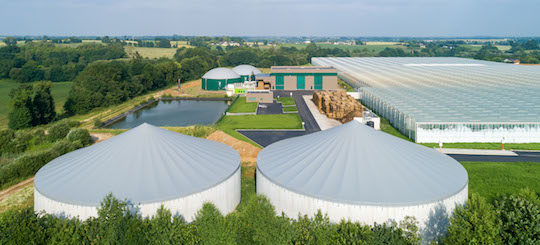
x=220, y=73
x=246, y=70
x=143, y=165
x=354, y=163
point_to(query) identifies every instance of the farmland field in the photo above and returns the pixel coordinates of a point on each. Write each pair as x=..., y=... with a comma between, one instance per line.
x=151, y=53
x=370, y=47
x=60, y=92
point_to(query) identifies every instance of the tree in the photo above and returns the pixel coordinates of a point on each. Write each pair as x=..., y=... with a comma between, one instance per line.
x=211, y=226
x=10, y=41
x=474, y=223
x=164, y=43
x=193, y=68
x=21, y=107
x=520, y=219
x=43, y=103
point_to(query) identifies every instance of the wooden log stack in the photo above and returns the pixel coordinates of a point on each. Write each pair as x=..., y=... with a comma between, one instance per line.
x=337, y=105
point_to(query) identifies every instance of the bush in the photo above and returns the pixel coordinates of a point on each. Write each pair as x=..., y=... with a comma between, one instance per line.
x=97, y=122
x=29, y=163
x=212, y=227
x=474, y=223
x=520, y=219
x=6, y=137
x=81, y=135
x=58, y=131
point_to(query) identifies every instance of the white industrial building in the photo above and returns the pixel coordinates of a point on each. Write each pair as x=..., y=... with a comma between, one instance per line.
x=443, y=99
x=356, y=173
x=247, y=72
x=147, y=166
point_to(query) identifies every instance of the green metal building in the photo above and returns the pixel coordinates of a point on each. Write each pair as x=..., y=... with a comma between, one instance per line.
x=218, y=78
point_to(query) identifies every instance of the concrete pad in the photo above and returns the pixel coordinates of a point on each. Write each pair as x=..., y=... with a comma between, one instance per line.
x=322, y=120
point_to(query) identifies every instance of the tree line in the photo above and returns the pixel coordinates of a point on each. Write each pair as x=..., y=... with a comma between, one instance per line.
x=37, y=61
x=513, y=219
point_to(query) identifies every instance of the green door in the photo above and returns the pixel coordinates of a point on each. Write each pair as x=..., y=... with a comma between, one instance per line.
x=318, y=82
x=279, y=83
x=300, y=82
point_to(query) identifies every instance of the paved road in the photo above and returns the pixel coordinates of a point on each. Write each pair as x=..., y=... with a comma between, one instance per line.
x=265, y=138
x=523, y=156
x=271, y=108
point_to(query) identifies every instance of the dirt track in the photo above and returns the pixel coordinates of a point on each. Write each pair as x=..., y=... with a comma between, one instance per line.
x=247, y=151
x=14, y=188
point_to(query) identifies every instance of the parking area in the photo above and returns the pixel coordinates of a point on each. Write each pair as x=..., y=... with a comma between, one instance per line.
x=269, y=108
x=267, y=137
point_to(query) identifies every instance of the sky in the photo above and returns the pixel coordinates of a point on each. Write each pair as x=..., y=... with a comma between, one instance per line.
x=392, y=18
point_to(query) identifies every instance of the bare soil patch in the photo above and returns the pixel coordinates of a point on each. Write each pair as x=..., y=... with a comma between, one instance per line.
x=248, y=152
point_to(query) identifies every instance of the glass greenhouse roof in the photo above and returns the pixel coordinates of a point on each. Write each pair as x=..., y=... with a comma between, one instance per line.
x=447, y=89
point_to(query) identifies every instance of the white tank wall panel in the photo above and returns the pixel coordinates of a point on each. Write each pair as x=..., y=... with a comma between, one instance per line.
x=292, y=204
x=225, y=196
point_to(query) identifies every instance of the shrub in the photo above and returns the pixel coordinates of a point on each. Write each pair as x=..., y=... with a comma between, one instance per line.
x=474, y=223
x=81, y=135
x=258, y=224
x=520, y=219
x=211, y=226
x=162, y=228
x=317, y=230
x=58, y=131
x=353, y=233
x=97, y=122
x=39, y=136
x=6, y=137
x=29, y=163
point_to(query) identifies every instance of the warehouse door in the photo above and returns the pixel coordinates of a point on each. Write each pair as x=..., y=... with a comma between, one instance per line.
x=279, y=82
x=318, y=82
x=300, y=82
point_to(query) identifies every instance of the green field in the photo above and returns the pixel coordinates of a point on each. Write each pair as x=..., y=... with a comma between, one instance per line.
x=241, y=106
x=229, y=124
x=286, y=101
x=491, y=179
x=371, y=48
x=60, y=92
x=151, y=53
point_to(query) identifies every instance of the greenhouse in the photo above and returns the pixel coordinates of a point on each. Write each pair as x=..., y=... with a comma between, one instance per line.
x=448, y=99
x=354, y=172
x=146, y=166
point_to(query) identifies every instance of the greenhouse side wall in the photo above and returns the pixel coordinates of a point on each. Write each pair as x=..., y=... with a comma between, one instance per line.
x=478, y=132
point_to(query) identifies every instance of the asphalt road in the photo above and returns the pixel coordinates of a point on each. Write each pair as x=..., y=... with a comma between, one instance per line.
x=265, y=138
x=523, y=156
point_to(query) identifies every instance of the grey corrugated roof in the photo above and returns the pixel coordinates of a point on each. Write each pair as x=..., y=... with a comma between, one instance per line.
x=220, y=73
x=144, y=165
x=354, y=163
x=246, y=70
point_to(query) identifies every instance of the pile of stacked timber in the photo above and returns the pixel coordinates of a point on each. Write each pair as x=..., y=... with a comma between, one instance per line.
x=337, y=105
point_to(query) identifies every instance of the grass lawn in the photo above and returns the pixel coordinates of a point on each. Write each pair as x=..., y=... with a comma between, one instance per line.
x=241, y=106
x=60, y=92
x=229, y=124
x=247, y=188
x=345, y=86
x=491, y=179
x=286, y=101
x=289, y=109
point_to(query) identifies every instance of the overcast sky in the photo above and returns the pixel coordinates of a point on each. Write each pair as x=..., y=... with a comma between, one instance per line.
x=271, y=17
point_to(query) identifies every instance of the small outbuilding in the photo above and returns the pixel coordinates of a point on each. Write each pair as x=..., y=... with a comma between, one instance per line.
x=147, y=166
x=218, y=78
x=356, y=173
x=247, y=72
